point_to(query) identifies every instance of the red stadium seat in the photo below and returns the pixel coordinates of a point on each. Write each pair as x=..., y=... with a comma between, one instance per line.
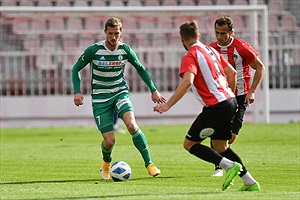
x=152, y=3
x=85, y=41
x=70, y=44
x=130, y=24
x=57, y=24
x=26, y=3
x=98, y=3
x=148, y=23
x=94, y=24
x=81, y=3
x=32, y=43
x=134, y=3
x=44, y=3
x=288, y=23
x=8, y=3
x=63, y=3
x=166, y=22
x=222, y=2
x=273, y=24
x=169, y=3
x=261, y=2
x=296, y=56
x=187, y=3
x=22, y=26
x=240, y=2
x=75, y=24
x=239, y=23
x=205, y=2
x=116, y=3
x=275, y=5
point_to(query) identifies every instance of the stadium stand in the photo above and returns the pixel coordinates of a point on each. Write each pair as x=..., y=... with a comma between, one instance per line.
x=187, y=3
x=134, y=3
x=44, y=3
x=221, y=2
x=275, y=5
x=152, y=3
x=169, y=3
x=288, y=22
x=240, y=2
x=205, y=2
x=98, y=3
x=52, y=44
x=81, y=3
x=116, y=3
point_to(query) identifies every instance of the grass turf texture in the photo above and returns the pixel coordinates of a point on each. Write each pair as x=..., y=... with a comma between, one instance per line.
x=63, y=163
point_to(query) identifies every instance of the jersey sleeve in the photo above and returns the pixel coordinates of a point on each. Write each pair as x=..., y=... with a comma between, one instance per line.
x=188, y=64
x=141, y=70
x=249, y=55
x=82, y=61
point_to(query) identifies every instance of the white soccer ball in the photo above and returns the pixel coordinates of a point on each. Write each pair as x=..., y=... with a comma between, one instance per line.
x=120, y=171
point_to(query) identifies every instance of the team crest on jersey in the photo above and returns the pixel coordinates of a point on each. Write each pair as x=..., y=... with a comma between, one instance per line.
x=120, y=57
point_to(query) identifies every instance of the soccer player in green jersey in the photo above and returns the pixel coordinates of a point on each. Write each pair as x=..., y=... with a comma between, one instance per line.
x=110, y=92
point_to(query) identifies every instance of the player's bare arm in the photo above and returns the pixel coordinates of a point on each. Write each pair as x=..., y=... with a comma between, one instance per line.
x=231, y=77
x=157, y=97
x=259, y=68
x=78, y=99
x=183, y=87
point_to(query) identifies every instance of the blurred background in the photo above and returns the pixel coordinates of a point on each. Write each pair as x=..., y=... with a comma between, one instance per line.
x=40, y=40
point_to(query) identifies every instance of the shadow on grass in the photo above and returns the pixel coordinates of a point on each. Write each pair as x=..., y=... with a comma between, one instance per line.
x=96, y=181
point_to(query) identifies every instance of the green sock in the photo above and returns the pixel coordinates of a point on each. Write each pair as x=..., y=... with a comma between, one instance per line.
x=140, y=142
x=106, y=153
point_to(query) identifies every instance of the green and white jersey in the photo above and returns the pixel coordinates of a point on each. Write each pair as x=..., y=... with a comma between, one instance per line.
x=107, y=70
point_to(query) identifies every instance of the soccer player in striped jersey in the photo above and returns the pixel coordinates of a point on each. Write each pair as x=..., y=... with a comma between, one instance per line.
x=110, y=93
x=204, y=70
x=243, y=58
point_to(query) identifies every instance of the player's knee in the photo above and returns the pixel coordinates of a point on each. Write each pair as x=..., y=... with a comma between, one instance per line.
x=109, y=143
x=233, y=138
x=188, y=144
x=132, y=127
x=219, y=146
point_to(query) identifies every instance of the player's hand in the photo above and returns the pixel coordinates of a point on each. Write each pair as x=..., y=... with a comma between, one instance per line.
x=78, y=99
x=157, y=97
x=249, y=98
x=161, y=108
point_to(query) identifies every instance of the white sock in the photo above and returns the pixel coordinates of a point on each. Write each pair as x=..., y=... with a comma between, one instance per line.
x=226, y=163
x=248, y=179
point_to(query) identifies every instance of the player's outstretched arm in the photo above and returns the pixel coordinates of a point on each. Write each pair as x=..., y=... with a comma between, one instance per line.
x=183, y=87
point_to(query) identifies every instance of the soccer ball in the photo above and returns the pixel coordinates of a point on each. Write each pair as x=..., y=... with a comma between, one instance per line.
x=120, y=171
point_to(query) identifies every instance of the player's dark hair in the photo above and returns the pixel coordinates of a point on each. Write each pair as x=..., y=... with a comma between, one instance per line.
x=189, y=30
x=113, y=22
x=225, y=20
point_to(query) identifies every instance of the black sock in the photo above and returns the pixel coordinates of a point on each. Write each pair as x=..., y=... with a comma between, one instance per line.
x=205, y=153
x=216, y=166
x=231, y=155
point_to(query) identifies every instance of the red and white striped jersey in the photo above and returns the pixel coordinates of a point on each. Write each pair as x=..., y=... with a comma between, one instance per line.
x=210, y=84
x=240, y=55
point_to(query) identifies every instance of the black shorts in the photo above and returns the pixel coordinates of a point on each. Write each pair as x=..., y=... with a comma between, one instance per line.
x=213, y=122
x=238, y=117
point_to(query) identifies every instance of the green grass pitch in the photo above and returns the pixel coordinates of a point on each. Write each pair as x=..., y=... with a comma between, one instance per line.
x=63, y=163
